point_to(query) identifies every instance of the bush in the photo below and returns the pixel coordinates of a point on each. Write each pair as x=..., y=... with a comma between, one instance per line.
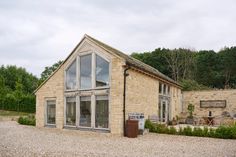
x=197, y=132
x=172, y=130
x=149, y=125
x=187, y=131
x=27, y=120
x=225, y=132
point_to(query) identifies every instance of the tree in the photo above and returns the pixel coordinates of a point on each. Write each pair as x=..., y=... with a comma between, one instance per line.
x=48, y=71
x=228, y=66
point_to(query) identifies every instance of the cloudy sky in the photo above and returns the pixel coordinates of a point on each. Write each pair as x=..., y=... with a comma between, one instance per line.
x=37, y=33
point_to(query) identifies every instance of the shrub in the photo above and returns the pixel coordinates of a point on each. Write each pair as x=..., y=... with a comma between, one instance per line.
x=187, y=131
x=149, y=125
x=211, y=133
x=233, y=131
x=180, y=132
x=197, y=132
x=205, y=132
x=226, y=132
x=27, y=120
x=172, y=130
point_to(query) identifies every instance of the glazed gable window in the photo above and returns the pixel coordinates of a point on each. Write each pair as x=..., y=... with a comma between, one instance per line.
x=86, y=71
x=71, y=76
x=102, y=72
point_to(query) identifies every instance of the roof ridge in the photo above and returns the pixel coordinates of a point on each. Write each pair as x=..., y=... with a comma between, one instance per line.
x=132, y=60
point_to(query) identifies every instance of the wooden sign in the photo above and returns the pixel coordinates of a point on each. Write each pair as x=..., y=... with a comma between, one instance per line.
x=212, y=103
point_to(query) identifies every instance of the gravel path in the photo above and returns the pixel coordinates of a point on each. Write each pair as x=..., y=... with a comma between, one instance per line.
x=18, y=140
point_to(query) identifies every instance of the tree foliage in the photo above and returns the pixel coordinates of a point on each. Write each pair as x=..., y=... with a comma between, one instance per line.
x=49, y=70
x=16, y=89
x=195, y=70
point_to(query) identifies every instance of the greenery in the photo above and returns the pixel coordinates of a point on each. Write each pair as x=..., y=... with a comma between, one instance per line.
x=225, y=132
x=48, y=71
x=190, y=110
x=194, y=70
x=16, y=89
x=12, y=113
x=27, y=120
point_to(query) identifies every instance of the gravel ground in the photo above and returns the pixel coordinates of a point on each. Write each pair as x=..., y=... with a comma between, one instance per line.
x=18, y=140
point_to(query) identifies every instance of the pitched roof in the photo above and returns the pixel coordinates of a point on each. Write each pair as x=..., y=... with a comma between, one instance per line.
x=132, y=61
x=129, y=60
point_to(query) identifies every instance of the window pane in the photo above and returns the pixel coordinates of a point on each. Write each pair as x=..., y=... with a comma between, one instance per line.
x=102, y=72
x=70, y=110
x=71, y=76
x=85, y=111
x=160, y=87
x=102, y=113
x=86, y=71
x=51, y=112
x=168, y=90
x=164, y=89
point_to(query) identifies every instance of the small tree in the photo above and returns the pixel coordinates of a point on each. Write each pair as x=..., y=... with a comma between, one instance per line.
x=190, y=110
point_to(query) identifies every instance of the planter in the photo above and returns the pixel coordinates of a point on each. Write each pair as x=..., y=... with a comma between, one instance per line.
x=189, y=120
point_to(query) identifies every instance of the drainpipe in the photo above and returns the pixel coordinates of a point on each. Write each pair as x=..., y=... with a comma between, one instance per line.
x=124, y=96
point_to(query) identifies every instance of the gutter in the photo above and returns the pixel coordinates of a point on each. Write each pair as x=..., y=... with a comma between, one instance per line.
x=124, y=96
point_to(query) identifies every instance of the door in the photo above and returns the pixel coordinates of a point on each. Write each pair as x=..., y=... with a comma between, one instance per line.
x=163, y=111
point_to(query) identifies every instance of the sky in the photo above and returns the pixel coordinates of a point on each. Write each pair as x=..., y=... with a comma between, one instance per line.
x=35, y=34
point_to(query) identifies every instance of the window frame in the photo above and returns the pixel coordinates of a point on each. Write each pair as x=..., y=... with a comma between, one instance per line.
x=46, y=112
x=76, y=75
x=91, y=108
x=76, y=106
x=95, y=100
x=92, y=92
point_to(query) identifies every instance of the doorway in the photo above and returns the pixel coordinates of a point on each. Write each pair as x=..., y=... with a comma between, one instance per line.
x=163, y=109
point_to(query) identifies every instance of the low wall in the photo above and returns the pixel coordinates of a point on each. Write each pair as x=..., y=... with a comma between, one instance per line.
x=212, y=100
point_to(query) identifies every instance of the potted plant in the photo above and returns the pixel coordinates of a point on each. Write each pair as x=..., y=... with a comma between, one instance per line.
x=189, y=119
x=174, y=121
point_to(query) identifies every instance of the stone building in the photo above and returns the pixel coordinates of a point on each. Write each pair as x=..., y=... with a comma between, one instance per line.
x=97, y=86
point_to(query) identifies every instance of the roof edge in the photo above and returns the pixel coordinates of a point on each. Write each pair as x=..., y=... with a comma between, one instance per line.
x=85, y=36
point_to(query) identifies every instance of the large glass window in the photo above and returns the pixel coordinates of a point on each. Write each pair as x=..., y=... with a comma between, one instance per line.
x=102, y=72
x=86, y=71
x=71, y=76
x=51, y=112
x=85, y=111
x=101, y=113
x=70, y=110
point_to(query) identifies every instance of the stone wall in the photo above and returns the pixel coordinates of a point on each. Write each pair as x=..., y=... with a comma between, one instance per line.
x=52, y=89
x=142, y=94
x=194, y=97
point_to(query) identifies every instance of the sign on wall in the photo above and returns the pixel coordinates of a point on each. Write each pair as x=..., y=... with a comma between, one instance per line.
x=212, y=103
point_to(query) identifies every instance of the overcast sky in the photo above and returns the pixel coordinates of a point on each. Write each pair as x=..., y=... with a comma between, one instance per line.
x=38, y=33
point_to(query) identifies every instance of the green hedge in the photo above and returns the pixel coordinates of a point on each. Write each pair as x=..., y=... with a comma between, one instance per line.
x=27, y=120
x=225, y=132
x=25, y=104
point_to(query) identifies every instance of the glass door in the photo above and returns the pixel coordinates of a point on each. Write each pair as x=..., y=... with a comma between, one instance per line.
x=85, y=111
x=163, y=111
x=101, y=112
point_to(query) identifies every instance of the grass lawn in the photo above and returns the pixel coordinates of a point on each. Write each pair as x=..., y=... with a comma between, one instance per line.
x=13, y=113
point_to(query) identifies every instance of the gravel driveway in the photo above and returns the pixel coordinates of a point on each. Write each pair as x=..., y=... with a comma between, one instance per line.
x=18, y=140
